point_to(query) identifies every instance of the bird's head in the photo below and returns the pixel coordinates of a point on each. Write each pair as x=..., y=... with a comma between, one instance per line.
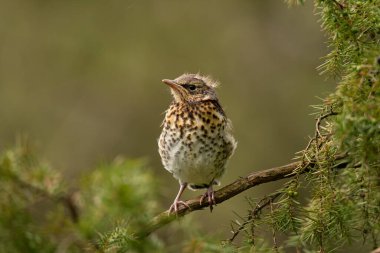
x=192, y=88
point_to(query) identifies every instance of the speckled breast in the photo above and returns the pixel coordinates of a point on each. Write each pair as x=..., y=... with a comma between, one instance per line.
x=196, y=143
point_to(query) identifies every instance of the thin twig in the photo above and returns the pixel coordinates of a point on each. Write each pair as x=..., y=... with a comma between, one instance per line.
x=254, y=214
x=318, y=122
x=341, y=6
x=275, y=247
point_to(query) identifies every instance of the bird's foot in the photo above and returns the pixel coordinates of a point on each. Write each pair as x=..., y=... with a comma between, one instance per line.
x=175, y=206
x=210, y=195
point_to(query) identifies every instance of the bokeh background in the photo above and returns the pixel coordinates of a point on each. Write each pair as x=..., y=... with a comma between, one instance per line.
x=83, y=80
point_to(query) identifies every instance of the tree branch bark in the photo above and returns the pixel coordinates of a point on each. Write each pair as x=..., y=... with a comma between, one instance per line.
x=227, y=192
x=236, y=187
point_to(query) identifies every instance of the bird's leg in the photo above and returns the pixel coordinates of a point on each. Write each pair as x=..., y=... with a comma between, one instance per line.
x=174, y=206
x=210, y=194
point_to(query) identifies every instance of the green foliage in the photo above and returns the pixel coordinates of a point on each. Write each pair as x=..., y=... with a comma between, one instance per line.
x=283, y=217
x=80, y=221
x=343, y=181
x=122, y=192
x=24, y=181
x=357, y=125
x=115, y=191
x=353, y=28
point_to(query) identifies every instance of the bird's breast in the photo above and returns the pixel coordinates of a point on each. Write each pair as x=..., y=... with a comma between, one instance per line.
x=194, y=144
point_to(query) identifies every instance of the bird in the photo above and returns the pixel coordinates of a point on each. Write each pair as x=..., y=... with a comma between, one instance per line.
x=196, y=139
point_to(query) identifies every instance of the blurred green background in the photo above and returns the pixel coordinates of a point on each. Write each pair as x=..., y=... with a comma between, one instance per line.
x=83, y=80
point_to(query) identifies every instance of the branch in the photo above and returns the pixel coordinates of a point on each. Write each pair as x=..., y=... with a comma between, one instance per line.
x=341, y=6
x=65, y=199
x=233, y=189
x=244, y=183
x=227, y=192
x=254, y=214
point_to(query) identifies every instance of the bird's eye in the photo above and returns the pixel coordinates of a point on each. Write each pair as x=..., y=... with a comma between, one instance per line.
x=191, y=87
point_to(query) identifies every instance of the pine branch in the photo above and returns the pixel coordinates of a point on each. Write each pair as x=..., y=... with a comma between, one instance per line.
x=240, y=185
x=254, y=214
x=66, y=199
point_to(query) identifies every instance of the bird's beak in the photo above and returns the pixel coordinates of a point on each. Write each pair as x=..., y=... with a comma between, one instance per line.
x=171, y=83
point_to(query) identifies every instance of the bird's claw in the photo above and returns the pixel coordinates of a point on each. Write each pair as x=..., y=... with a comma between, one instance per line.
x=210, y=194
x=176, y=203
